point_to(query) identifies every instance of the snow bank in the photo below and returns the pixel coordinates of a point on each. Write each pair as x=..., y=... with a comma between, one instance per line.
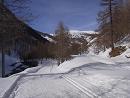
x=102, y=57
x=83, y=60
x=105, y=54
x=44, y=67
x=31, y=70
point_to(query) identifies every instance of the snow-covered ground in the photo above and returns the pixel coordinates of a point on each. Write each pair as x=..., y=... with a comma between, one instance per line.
x=6, y=84
x=77, y=33
x=85, y=76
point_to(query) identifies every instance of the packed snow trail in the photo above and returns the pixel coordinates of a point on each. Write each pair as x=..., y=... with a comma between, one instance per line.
x=48, y=86
x=85, y=90
x=19, y=77
x=94, y=81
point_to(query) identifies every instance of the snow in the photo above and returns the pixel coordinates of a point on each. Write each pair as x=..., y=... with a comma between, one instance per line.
x=84, y=76
x=82, y=32
x=97, y=79
x=77, y=61
x=83, y=60
x=45, y=67
x=49, y=39
x=122, y=58
x=79, y=34
x=6, y=83
x=37, y=87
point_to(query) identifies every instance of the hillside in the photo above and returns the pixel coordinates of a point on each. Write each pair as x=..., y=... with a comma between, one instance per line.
x=78, y=33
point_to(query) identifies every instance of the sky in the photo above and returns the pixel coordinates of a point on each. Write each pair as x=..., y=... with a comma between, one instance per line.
x=75, y=14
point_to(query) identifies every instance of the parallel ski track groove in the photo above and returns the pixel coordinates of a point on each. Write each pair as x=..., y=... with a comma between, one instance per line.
x=85, y=90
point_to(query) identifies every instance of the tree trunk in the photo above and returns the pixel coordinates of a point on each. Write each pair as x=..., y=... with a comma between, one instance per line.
x=3, y=61
x=111, y=23
x=3, y=52
x=58, y=62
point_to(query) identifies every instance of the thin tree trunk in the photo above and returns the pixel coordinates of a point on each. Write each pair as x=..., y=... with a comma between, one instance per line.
x=111, y=24
x=3, y=52
x=3, y=61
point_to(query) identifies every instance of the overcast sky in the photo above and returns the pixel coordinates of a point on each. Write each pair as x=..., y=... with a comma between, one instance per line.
x=76, y=14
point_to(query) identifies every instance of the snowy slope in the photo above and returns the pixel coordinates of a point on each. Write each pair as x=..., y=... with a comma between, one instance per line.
x=47, y=36
x=83, y=60
x=74, y=33
x=78, y=34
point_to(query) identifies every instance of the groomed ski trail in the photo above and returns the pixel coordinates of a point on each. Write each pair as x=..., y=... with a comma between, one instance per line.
x=85, y=90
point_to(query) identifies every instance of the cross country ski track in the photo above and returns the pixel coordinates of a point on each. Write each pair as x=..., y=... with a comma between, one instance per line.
x=82, y=88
